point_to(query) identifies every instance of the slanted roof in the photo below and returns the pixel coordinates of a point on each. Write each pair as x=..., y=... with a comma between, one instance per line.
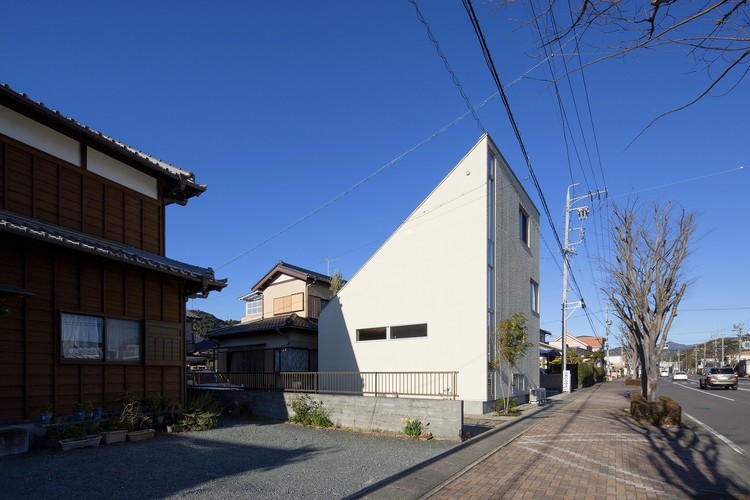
x=181, y=183
x=295, y=271
x=592, y=342
x=279, y=324
x=202, y=279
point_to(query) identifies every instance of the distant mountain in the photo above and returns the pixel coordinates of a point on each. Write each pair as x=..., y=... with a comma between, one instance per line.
x=208, y=322
x=676, y=346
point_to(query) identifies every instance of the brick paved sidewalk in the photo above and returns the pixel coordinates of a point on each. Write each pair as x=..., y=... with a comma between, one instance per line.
x=589, y=449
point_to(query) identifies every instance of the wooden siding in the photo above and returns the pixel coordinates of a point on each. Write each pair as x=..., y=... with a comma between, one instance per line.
x=35, y=184
x=32, y=372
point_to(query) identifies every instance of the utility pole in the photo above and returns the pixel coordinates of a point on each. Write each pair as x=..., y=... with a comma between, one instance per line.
x=739, y=326
x=723, y=357
x=568, y=248
x=607, y=323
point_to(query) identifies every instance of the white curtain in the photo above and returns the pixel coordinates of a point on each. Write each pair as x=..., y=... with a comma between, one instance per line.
x=82, y=337
x=123, y=340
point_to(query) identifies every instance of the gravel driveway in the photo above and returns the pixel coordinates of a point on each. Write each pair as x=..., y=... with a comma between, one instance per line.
x=241, y=459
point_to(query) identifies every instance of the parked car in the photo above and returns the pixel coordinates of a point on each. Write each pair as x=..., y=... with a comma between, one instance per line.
x=679, y=375
x=741, y=368
x=718, y=377
x=209, y=379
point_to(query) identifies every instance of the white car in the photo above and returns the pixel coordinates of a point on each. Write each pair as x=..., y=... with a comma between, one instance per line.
x=679, y=376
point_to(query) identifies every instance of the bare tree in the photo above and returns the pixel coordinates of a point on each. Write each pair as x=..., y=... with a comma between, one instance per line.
x=647, y=281
x=714, y=33
x=628, y=350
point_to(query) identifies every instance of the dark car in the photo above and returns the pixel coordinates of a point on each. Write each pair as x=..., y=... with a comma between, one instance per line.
x=718, y=377
x=741, y=368
x=209, y=379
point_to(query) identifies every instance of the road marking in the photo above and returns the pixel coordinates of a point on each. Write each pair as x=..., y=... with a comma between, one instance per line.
x=727, y=441
x=702, y=391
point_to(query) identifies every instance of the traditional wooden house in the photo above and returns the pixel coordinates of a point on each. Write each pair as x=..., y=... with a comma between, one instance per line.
x=90, y=305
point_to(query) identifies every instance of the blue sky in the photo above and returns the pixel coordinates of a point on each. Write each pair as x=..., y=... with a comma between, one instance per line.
x=280, y=106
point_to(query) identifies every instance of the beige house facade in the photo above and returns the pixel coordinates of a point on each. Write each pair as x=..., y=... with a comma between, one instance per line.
x=279, y=330
x=430, y=297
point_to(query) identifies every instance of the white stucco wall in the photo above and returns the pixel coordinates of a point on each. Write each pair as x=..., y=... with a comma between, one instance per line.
x=431, y=270
x=39, y=136
x=116, y=171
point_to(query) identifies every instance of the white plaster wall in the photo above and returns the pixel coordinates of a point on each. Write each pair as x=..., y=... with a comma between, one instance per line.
x=121, y=173
x=431, y=270
x=39, y=136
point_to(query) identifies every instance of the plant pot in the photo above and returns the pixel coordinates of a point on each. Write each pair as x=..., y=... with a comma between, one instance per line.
x=46, y=418
x=79, y=414
x=117, y=436
x=96, y=414
x=140, y=435
x=73, y=443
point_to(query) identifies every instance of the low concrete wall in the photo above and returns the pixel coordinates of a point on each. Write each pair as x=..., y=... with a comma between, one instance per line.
x=443, y=418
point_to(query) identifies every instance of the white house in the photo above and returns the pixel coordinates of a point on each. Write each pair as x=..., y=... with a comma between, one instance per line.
x=431, y=295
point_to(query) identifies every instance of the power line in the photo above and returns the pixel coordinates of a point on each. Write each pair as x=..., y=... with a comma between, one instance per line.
x=447, y=65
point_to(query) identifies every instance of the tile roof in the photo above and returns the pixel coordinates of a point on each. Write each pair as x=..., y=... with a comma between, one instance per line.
x=184, y=185
x=13, y=223
x=296, y=271
x=276, y=323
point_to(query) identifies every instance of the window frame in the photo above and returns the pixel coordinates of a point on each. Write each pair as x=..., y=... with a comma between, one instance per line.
x=107, y=323
x=377, y=328
x=277, y=311
x=419, y=336
x=524, y=226
x=534, y=296
x=253, y=302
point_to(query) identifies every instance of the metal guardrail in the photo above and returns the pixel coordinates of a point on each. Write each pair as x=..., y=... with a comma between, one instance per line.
x=426, y=384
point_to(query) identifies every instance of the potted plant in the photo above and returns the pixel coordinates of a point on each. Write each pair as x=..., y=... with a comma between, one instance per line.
x=137, y=424
x=47, y=411
x=81, y=410
x=75, y=436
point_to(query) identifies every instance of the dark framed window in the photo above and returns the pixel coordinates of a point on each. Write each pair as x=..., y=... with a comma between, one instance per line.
x=409, y=331
x=523, y=225
x=95, y=338
x=367, y=334
x=534, y=289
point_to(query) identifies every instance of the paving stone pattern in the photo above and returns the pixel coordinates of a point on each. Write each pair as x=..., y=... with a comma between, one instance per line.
x=590, y=449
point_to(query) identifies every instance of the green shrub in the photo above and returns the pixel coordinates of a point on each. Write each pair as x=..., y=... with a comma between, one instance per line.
x=665, y=412
x=412, y=426
x=499, y=405
x=307, y=411
x=201, y=413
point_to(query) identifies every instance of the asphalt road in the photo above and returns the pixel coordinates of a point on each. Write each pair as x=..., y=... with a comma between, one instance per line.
x=724, y=411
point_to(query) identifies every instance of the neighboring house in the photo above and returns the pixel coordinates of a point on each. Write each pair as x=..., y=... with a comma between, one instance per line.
x=279, y=331
x=584, y=343
x=82, y=228
x=430, y=297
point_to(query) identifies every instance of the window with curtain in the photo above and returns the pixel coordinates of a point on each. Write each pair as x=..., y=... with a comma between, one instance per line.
x=94, y=338
x=82, y=337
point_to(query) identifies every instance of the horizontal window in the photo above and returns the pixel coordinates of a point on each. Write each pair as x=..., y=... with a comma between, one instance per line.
x=94, y=338
x=289, y=304
x=409, y=331
x=371, y=334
